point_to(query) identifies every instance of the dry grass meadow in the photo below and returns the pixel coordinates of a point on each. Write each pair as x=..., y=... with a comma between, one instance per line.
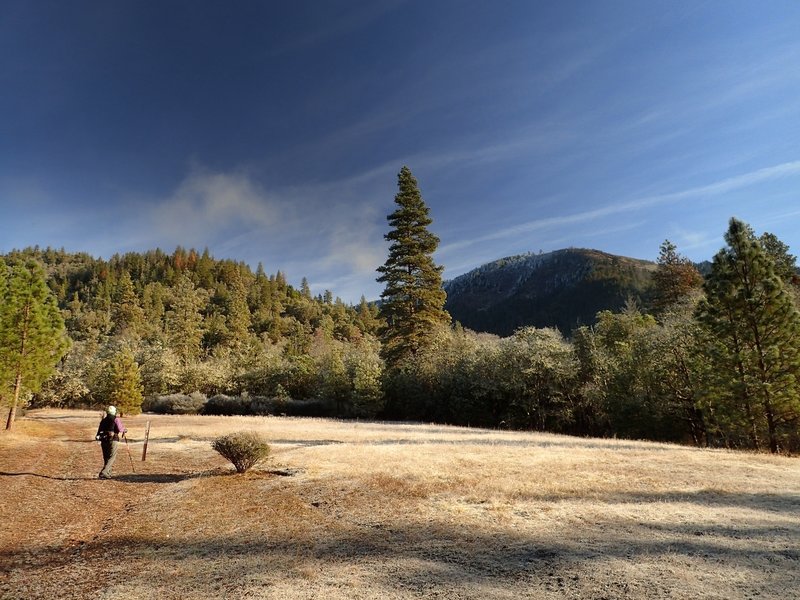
x=374, y=510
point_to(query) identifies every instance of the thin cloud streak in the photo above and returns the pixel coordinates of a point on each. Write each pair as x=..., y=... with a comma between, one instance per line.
x=747, y=179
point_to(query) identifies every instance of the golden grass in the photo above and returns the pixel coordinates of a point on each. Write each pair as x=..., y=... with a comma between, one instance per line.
x=373, y=510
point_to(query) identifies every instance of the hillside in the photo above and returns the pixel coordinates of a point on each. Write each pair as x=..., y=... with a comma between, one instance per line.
x=376, y=510
x=562, y=289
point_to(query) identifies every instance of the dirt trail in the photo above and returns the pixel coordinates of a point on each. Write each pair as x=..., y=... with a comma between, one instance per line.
x=54, y=509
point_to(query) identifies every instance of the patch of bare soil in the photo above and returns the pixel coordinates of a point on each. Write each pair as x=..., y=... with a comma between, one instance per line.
x=367, y=510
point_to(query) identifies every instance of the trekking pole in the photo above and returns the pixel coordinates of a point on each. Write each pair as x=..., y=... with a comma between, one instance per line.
x=130, y=458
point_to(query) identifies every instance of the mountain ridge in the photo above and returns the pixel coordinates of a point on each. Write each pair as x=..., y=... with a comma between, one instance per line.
x=563, y=288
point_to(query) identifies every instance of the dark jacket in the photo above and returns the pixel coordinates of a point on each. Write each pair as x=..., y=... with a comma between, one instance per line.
x=110, y=428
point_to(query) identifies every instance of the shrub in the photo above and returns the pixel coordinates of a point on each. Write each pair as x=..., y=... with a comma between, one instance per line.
x=227, y=405
x=244, y=449
x=176, y=404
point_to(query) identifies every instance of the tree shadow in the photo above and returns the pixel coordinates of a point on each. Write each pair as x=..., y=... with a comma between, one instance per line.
x=156, y=477
x=771, y=502
x=54, y=478
x=435, y=558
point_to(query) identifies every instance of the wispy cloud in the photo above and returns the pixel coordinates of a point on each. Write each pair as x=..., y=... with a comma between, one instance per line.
x=726, y=185
x=207, y=202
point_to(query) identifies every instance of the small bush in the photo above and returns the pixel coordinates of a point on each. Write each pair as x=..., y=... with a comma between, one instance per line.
x=244, y=449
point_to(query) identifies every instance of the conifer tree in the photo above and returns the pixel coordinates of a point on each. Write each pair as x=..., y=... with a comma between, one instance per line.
x=183, y=320
x=127, y=311
x=413, y=299
x=32, y=334
x=785, y=263
x=124, y=383
x=675, y=277
x=238, y=318
x=367, y=316
x=305, y=289
x=754, y=329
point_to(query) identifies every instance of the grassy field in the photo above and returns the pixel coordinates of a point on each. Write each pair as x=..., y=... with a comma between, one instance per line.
x=376, y=510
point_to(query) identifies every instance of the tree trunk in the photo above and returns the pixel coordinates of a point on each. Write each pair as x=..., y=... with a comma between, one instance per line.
x=18, y=380
x=771, y=426
x=13, y=412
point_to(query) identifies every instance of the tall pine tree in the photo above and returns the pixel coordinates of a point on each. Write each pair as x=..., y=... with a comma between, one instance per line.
x=413, y=299
x=32, y=334
x=754, y=329
x=184, y=320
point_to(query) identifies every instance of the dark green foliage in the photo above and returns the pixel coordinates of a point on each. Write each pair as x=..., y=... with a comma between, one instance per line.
x=225, y=405
x=785, y=264
x=32, y=334
x=175, y=404
x=524, y=381
x=752, y=331
x=244, y=449
x=122, y=383
x=222, y=404
x=413, y=299
x=630, y=356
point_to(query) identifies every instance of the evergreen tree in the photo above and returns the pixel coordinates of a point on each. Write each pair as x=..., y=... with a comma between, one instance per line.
x=305, y=289
x=367, y=316
x=127, y=311
x=754, y=331
x=674, y=279
x=413, y=299
x=32, y=334
x=153, y=307
x=785, y=263
x=183, y=320
x=238, y=318
x=124, y=383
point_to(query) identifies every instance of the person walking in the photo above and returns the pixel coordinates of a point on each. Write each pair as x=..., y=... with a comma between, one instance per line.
x=108, y=434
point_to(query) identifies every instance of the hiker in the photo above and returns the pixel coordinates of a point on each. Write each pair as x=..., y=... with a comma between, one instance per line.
x=108, y=433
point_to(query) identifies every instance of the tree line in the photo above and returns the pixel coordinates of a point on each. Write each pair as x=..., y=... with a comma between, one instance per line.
x=712, y=361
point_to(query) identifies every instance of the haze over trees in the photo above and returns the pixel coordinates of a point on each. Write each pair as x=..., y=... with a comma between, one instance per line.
x=713, y=362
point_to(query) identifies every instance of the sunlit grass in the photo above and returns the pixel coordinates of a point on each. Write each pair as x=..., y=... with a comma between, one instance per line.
x=348, y=509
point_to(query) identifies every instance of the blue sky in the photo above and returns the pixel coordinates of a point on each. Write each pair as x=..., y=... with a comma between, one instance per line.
x=274, y=131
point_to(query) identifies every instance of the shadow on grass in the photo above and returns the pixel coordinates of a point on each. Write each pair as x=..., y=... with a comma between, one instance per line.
x=155, y=477
x=52, y=477
x=434, y=557
x=776, y=503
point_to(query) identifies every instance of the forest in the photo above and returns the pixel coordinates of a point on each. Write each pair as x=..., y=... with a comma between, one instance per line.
x=712, y=361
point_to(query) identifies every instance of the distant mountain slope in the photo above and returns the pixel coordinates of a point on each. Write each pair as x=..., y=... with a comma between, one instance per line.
x=560, y=289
